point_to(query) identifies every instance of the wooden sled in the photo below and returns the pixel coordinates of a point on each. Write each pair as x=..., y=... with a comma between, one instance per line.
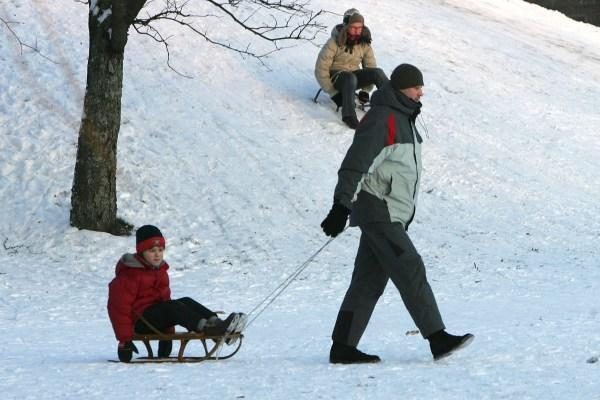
x=212, y=345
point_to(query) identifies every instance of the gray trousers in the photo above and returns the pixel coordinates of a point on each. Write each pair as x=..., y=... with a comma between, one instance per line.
x=386, y=252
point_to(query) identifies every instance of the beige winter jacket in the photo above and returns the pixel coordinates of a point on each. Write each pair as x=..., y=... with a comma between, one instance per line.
x=335, y=57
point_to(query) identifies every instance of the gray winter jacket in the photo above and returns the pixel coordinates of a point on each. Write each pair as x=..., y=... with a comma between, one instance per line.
x=379, y=177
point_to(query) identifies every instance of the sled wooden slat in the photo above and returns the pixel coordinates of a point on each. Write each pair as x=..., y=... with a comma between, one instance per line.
x=211, y=345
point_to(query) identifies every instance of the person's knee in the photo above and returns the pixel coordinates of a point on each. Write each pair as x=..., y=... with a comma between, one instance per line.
x=347, y=80
x=379, y=72
x=183, y=302
x=380, y=76
x=368, y=291
x=414, y=263
x=180, y=305
x=375, y=293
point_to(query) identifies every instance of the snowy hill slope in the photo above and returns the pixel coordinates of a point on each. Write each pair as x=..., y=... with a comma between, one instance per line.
x=237, y=167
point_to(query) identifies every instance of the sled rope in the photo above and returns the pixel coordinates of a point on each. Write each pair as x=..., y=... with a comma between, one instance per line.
x=275, y=293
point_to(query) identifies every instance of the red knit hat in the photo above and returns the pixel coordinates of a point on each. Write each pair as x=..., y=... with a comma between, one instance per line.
x=148, y=236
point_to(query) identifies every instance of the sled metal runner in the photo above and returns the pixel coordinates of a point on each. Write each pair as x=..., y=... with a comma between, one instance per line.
x=362, y=105
x=212, y=346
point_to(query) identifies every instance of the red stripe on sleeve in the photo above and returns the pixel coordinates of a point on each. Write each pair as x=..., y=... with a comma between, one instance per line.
x=391, y=135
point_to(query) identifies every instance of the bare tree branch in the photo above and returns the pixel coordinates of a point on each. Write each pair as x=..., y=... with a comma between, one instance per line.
x=156, y=36
x=293, y=8
x=298, y=23
x=23, y=44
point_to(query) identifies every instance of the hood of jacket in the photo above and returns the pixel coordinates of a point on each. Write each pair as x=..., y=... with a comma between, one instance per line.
x=340, y=34
x=129, y=260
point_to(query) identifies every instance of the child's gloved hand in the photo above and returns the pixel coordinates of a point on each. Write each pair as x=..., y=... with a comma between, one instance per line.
x=126, y=350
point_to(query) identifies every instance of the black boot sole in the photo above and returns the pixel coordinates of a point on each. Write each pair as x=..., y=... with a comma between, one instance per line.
x=464, y=343
x=374, y=361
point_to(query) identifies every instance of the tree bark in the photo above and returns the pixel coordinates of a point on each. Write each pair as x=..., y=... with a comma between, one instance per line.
x=94, y=193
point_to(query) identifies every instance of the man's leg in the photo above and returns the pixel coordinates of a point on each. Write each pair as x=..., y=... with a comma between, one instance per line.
x=370, y=76
x=367, y=285
x=346, y=84
x=400, y=260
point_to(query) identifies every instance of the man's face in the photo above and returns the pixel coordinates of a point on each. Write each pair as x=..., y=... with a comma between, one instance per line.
x=414, y=93
x=355, y=29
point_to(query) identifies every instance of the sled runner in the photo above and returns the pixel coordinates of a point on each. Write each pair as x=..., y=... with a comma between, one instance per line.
x=212, y=346
x=361, y=105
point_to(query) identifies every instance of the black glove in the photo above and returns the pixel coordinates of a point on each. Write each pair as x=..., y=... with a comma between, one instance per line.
x=164, y=348
x=126, y=350
x=337, y=99
x=363, y=97
x=335, y=222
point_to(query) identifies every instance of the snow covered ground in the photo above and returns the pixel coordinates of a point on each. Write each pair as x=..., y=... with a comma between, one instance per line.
x=237, y=167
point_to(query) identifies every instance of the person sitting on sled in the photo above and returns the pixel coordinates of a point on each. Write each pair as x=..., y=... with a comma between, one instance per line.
x=139, y=299
x=338, y=69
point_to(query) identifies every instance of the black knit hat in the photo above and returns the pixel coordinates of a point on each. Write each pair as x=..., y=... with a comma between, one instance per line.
x=148, y=236
x=406, y=76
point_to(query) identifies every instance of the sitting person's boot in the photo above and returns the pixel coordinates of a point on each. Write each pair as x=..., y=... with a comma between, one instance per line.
x=443, y=344
x=351, y=121
x=344, y=354
x=363, y=97
x=241, y=325
x=238, y=329
x=219, y=327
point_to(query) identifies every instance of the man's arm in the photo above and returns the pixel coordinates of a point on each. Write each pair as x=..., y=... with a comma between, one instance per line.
x=369, y=60
x=323, y=67
x=367, y=144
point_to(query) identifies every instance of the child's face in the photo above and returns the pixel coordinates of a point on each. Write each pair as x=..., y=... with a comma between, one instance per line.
x=154, y=256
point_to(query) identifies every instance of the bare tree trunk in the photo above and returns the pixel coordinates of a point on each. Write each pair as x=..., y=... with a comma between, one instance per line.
x=94, y=193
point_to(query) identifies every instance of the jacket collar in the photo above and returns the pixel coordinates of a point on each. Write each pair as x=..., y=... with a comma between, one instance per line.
x=136, y=261
x=387, y=96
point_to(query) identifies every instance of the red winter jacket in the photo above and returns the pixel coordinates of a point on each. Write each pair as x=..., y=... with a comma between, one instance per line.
x=136, y=286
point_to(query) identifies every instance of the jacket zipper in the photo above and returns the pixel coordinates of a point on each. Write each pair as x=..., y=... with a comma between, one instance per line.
x=416, y=173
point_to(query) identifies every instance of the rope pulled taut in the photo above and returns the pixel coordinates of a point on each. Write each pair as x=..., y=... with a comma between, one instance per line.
x=270, y=298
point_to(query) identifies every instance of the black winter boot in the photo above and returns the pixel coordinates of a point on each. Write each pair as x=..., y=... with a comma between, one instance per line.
x=219, y=327
x=443, y=344
x=343, y=354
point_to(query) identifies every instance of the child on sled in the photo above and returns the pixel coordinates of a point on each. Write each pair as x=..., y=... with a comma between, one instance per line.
x=139, y=299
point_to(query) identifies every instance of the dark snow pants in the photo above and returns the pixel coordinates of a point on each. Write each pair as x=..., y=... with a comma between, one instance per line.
x=348, y=82
x=185, y=312
x=386, y=252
